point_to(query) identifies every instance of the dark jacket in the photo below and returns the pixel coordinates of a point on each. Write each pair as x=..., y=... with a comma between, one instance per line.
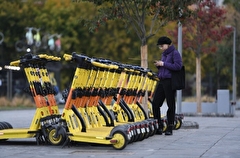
x=172, y=61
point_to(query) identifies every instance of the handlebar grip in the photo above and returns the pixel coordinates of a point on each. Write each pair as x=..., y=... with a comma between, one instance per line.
x=150, y=73
x=56, y=58
x=97, y=64
x=103, y=65
x=45, y=56
x=67, y=57
x=15, y=63
x=113, y=66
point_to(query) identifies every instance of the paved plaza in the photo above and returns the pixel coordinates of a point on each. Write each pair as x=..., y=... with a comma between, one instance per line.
x=215, y=137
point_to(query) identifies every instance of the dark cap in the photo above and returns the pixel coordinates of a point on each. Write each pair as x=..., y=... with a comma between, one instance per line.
x=164, y=40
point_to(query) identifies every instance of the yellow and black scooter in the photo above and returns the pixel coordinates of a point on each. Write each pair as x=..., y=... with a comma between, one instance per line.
x=47, y=113
x=95, y=90
x=83, y=121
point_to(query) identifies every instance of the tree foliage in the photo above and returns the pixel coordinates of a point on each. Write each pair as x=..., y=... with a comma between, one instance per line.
x=205, y=30
x=202, y=31
x=234, y=3
x=112, y=37
x=62, y=17
x=134, y=14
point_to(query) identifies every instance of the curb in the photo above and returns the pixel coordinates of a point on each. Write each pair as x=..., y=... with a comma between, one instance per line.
x=189, y=125
x=208, y=115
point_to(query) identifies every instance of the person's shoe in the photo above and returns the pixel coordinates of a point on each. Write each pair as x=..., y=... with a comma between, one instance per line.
x=168, y=133
x=159, y=132
x=160, y=128
x=169, y=130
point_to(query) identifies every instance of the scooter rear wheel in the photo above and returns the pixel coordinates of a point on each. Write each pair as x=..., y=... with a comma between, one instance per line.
x=8, y=125
x=5, y=125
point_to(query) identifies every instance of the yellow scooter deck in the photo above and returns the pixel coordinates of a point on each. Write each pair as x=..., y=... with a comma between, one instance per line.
x=17, y=133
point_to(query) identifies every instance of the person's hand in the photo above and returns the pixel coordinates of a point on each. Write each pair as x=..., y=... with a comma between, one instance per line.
x=159, y=63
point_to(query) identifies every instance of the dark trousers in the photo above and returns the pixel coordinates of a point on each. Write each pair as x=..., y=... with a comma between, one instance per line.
x=164, y=91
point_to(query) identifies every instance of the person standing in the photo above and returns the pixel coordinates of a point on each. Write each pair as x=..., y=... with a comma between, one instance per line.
x=170, y=60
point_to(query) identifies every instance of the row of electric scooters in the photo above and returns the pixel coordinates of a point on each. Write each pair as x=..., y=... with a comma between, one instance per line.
x=103, y=104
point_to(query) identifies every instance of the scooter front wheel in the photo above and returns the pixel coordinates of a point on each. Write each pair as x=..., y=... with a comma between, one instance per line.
x=178, y=124
x=55, y=140
x=121, y=140
x=164, y=126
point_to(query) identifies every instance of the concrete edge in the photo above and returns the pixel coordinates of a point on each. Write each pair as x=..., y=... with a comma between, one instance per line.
x=189, y=125
x=207, y=115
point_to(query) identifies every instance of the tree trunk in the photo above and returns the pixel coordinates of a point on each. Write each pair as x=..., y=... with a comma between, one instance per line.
x=198, y=84
x=144, y=64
